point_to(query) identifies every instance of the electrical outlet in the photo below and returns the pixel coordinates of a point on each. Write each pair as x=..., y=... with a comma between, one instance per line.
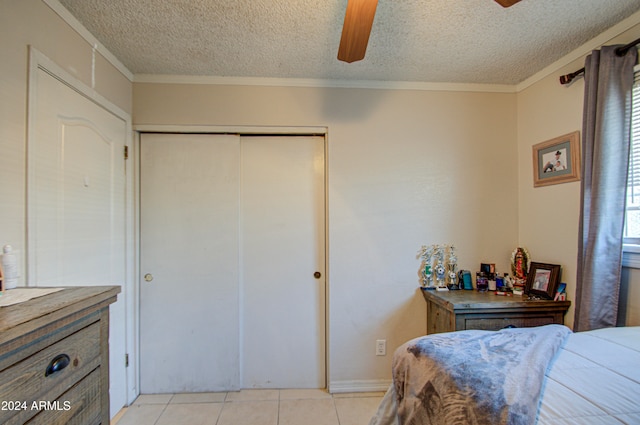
x=381, y=347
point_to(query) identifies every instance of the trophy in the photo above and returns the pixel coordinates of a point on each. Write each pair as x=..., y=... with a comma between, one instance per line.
x=426, y=267
x=438, y=269
x=452, y=275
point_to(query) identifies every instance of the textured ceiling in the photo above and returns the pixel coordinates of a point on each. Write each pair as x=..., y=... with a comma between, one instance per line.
x=460, y=41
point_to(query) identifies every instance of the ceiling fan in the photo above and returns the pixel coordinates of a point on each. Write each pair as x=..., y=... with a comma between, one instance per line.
x=358, y=21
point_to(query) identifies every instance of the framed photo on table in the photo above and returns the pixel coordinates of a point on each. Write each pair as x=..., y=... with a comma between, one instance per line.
x=557, y=160
x=542, y=280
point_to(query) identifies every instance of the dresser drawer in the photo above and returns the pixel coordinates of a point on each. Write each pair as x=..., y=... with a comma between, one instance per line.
x=78, y=406
x=494, y=324
x=35, y=378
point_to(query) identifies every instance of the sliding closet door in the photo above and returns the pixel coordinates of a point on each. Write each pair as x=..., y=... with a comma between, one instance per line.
x=283, y=308
x=189, y=292
x=232, y=235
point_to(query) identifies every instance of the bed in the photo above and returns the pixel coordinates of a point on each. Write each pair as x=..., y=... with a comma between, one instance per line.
x=543, y=375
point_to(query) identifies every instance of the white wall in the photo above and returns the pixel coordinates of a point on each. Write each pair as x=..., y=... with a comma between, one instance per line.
x=548, y=216
x=405, y=168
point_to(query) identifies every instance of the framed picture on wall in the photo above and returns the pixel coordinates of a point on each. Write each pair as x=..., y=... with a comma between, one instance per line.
x=557, y=160
x=542, y=280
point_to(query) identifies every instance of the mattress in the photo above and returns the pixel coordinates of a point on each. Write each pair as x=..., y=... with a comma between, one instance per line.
x=593, y=379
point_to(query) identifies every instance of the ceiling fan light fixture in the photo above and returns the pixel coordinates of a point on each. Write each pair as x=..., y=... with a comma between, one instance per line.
x=358, y=20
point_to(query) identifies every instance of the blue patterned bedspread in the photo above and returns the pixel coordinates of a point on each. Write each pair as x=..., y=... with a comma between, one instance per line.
x=474, y=377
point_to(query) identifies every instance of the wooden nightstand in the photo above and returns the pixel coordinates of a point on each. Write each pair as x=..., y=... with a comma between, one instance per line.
x=449, y=311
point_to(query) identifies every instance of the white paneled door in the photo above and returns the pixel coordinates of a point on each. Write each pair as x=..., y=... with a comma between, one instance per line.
x=232, y=233
x=76, y=203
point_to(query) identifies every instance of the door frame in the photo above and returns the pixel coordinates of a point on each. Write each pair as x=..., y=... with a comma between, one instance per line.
x=39, y=61
x=134, y=152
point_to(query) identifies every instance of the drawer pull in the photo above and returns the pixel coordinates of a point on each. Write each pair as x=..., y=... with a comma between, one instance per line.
x=58, y=363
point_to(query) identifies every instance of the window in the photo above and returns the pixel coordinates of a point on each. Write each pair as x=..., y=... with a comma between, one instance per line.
x=632, y=218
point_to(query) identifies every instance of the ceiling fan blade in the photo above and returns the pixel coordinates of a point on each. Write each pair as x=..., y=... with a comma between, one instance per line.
x=358, y=21
x=507, y=3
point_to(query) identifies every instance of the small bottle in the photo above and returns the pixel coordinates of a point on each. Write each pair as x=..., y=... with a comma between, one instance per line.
x=9, y=267
x=481, y=282
x=491, y=281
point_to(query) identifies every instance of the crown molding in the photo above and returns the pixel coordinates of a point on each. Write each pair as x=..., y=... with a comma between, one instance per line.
x=584, y=50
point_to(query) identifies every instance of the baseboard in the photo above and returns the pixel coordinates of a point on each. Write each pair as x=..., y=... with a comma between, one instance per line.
x=359, y=386
x=118, y=416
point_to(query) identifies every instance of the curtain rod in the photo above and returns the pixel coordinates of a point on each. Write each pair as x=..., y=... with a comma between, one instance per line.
x=620, y=51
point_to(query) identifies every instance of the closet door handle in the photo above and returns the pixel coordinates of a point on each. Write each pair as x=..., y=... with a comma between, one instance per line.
x=317, y=275
x=58, y=363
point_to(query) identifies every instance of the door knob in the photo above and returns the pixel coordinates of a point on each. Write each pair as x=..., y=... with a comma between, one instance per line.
x=317, y=275
x=148, y=277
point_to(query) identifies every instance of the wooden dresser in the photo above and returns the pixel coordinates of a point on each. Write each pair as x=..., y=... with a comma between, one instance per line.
x=449, y=311
x=54, y=358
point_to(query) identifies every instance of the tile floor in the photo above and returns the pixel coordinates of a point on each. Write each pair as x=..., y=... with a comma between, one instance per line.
x=252, y=407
